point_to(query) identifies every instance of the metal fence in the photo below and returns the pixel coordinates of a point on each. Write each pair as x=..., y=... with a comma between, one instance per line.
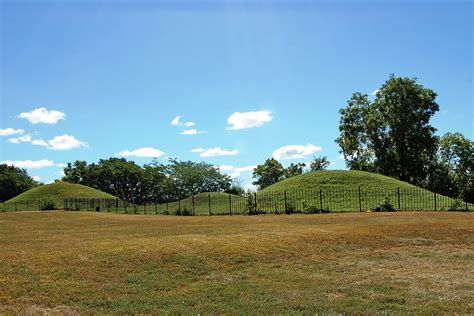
x=303, y=201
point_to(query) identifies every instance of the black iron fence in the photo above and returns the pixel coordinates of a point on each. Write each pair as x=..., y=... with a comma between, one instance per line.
x=275, y=202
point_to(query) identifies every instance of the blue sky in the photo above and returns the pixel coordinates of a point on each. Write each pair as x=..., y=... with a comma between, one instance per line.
x=253, y=76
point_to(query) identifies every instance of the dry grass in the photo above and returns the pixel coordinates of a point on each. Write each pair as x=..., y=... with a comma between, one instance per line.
x=68, y=262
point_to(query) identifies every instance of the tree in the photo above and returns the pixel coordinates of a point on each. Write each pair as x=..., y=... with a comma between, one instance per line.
x=392, y=134
x=190, y=178
x=319, y=163
x=270, y=172
x=294, y=169
x=14, y=181
x=452, y=171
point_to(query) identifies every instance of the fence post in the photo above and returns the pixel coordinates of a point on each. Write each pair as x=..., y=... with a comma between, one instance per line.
x=16, y=209
x=156, y=209
x=144, y=208
x=209, y=203
x=125, y=206
x=398, y=194
x=286, y=204
x=434, y=193
x=4, y=207
x=321, y=198
x=192, y=200
x=360, y=201
x=116, y=205
x=179, y=206
x=230, y=205
x=167, y=208
x=467, y=209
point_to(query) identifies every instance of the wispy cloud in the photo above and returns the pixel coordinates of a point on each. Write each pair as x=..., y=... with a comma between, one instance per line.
x=10, y=131
x=295, y=151
x=234, y=172
x=63, y=142
x=177, y=122
x=142, y=152
x=375, y=92
x=29, y=164
x=21, y=139
x=215, y=152
x=192, y=132
x=242, y=120
x=42, y=115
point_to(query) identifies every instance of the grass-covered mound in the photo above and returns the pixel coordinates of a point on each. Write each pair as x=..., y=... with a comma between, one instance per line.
x=347, y=190
x=54, y=194
x=339, y=180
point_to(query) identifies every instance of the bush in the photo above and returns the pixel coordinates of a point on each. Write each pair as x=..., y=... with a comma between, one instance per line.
x=384, y=207
x=457, y=205
x=184, y=212
x=47, y=204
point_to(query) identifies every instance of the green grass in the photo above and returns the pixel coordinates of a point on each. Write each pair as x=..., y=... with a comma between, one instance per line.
x=338, y=180
x=54, y=193
x=350, y=263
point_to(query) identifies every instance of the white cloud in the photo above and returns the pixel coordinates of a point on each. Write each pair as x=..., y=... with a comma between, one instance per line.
x=175, y=121
x=142, y=152
x=241, y=120
x=62, y=165
x=21, y=139
x=65, y=142
x=189, y=124
x=192, y=132
x=36, y=178
x=39, y=142
x=216, y=151
x=29, y=164
x=295, y=151
x=10, y=131
x=197, y=150
x=375, y=92
x=42, y=115
x=234, y=172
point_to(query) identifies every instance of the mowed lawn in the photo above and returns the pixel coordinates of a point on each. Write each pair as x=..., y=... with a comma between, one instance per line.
x=60, y=262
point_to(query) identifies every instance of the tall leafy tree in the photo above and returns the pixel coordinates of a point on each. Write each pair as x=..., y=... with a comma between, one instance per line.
x=319, y=163
x=452, y=171
x=14, y=181
x=191, y=178
x=391, y=135
x=270, y=172
x=294, y=169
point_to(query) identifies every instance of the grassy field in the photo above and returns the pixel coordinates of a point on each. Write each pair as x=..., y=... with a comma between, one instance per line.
x=404, y=262
x=55, y=193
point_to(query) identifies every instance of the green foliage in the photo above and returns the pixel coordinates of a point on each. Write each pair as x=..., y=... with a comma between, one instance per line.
x=386, y=206
x=14, y=181
x=154, y=182
x=392, y=134
x=452, y=171
x=48, y=204
x=294, y=169
x=270, y=172
x=319, y=163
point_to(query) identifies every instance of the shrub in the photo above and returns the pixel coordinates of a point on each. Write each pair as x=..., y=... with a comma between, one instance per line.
x=47, y=204
x=386, y=206
x=457, y=205
x=184, y=212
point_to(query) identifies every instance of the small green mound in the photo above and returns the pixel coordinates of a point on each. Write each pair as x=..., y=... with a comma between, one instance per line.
x=339, y=180
x=51, y=196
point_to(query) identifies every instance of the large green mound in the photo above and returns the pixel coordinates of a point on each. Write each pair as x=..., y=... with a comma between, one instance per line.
x=59, y=191
x=339, y=180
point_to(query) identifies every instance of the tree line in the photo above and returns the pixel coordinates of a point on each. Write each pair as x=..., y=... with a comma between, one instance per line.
x=390, y=135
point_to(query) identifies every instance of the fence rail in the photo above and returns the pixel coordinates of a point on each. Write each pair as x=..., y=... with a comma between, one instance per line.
x=304, y=201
